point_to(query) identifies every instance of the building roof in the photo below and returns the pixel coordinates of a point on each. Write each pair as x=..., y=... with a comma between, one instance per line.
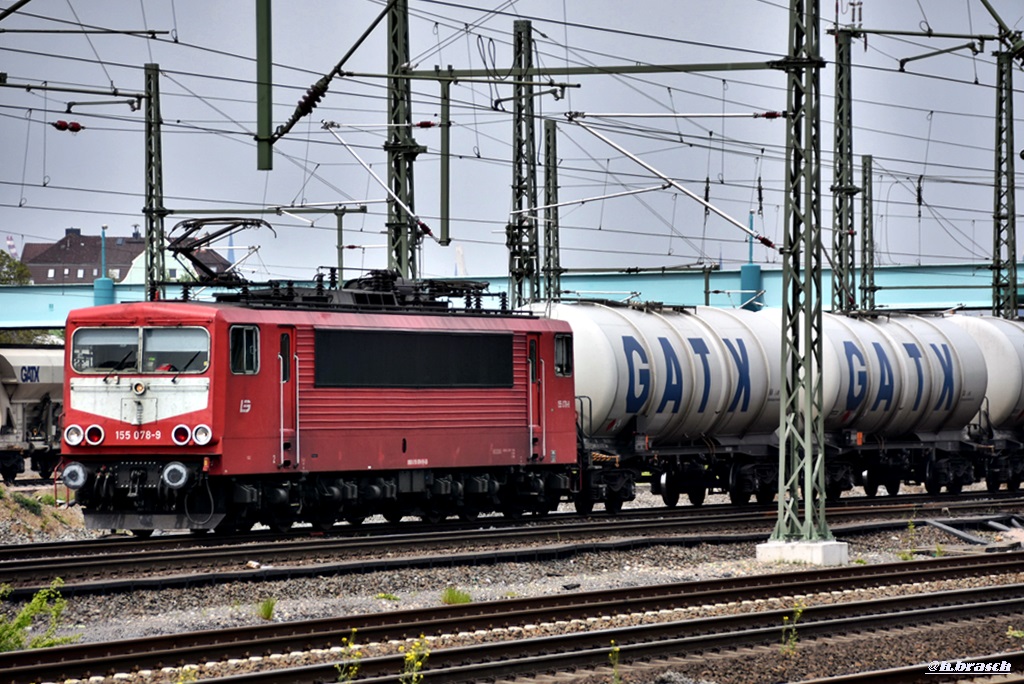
x=75, y=258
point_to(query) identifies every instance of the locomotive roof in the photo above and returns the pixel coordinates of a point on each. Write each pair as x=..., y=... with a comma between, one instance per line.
x=169, y=312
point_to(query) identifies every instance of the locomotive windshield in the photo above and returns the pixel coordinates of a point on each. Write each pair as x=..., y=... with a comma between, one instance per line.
x=145, y=350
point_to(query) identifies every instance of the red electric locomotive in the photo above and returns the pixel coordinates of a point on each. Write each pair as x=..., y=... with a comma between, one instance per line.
x=315, y=406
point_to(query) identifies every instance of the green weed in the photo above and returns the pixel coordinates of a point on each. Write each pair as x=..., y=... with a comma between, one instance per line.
x=454, y=595
x=789, y=635
x=266, y=608
x=28, y=503
x=47, y=603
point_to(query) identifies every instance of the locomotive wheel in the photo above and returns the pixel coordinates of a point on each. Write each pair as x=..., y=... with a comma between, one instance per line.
x=613, y=505
x=584, y=506
x=696, y=495
x=142, y=534
x=432, y=517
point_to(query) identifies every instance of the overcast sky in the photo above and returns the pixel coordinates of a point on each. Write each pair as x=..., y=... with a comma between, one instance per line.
x=934, y=123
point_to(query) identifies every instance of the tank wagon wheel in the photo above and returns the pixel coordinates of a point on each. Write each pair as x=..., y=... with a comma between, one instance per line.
x=765, y=496
x=670, y=495
x=323, y=525
x=696, y=495
x=468, y=514
x=613, y=505
x=955, y=487
x=870, y=483
x=393, y=517
x=513, y=512
x=142, y=534
x=992, y=484
x=584, y=506
x=9, y=475
x=892, y=485
x=931, y=480
x=280, y=526
x=738, y=497
x=354, y=518
x=1013, y=484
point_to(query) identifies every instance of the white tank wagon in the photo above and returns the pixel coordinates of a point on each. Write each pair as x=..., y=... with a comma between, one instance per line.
x=31, y=380
x=902, y=392
x=691, y=395
x=1000, y=422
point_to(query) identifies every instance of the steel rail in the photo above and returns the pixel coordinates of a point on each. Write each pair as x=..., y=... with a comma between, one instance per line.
x=82, y=660
x=191, y=568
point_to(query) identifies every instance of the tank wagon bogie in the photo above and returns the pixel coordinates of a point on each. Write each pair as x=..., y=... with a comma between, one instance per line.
x=31, y=378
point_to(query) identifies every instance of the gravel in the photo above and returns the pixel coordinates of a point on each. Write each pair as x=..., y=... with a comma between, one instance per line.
x=104, y=618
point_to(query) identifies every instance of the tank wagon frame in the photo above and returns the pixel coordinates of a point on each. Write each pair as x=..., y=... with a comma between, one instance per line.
x=31, y=379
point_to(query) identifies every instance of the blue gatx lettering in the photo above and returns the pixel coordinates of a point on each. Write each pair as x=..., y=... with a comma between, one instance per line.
x=739, y=355
x=946, y=361
x=639, y=374
x=673, y=377
x=886, y=384
x=915, y=353
x=700, y=348
x=858, y=375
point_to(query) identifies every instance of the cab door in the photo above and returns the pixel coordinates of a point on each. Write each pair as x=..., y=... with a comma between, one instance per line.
x=288, y=397
x=536, y=397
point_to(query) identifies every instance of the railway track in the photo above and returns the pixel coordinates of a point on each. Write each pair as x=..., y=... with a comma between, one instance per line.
x=108, y=567
x=721, y=514
x=518, y=636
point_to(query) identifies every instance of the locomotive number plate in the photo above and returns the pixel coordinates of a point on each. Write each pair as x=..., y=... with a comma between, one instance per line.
x=136, y=435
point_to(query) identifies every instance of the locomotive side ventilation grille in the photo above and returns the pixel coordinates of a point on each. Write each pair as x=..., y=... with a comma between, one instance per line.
x=386, y=358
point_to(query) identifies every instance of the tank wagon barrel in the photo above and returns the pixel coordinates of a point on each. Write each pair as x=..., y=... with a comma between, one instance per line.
x=692, y=396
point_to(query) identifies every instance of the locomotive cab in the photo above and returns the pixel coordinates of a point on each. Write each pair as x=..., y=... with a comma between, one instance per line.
x=139, y=424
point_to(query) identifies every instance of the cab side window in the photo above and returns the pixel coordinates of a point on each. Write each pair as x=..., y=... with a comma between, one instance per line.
x=563, y=355
x=245, y=349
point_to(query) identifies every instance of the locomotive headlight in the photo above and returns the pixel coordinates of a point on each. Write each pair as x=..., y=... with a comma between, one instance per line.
x=94, y=435
x=181, y=434
x=202, y=435
x=175, y=475
x=75, y=475
x=73, y=435
x=139, y=388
